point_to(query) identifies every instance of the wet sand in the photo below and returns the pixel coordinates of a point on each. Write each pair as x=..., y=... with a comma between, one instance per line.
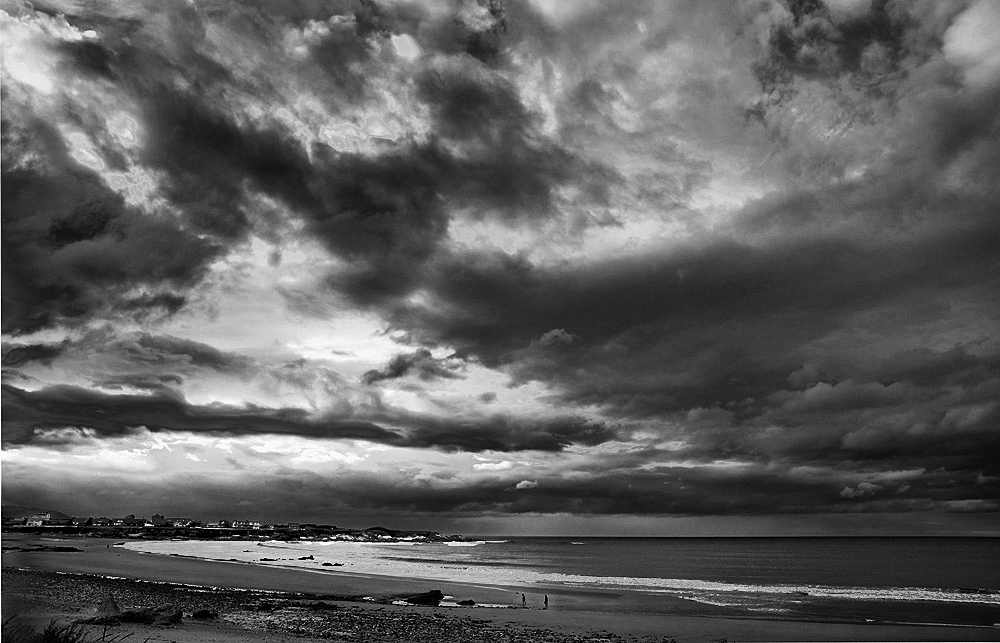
x=572, y=616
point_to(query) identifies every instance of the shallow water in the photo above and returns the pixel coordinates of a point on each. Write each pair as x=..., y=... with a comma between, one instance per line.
x=930, y=580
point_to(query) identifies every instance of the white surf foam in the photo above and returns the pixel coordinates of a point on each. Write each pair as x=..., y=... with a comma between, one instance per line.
x=380, y=560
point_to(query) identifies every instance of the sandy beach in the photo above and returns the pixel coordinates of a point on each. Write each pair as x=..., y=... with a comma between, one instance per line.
x=254, y=604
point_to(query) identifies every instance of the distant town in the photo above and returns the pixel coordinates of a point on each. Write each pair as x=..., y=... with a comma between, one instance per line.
x=160, y=527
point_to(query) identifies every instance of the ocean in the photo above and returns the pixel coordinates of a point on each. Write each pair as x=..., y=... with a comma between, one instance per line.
x=940, y=580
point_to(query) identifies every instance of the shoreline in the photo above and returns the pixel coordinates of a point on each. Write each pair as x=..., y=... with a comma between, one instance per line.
x=572, y=612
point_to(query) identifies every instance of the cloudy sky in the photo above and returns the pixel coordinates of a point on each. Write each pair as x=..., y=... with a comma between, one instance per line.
x=519, y=266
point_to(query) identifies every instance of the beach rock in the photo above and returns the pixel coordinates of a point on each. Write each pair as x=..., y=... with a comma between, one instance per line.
x=333, y=564
x=322, y=605
x=309, y=557
x=432, y=598
x=167, y=615
x=143, y=615
x=162, y=615
x=467, y=602
x=205, y=615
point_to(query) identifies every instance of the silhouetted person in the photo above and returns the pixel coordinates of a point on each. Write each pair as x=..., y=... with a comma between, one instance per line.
x=524, y=601
x=546, y=602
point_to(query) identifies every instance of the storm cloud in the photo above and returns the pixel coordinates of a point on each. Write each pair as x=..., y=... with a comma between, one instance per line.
x=640, y=259
x=29, y=416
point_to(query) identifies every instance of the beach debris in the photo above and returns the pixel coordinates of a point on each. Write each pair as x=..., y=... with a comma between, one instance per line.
x=323, y=605
x=108, y=613
x=205, y=615
x=162, y=615
x=109, y=607
x=432, y=598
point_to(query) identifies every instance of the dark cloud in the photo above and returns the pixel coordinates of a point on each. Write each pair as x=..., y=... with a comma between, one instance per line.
x=426, y=366
x=28, y=412
x=485, y=40
x=73, y=248
x=385, y=213
x=117, y=415
x=498, y=432
x=91, y=58
x=505, y=166
x=160, y=350
x=728, y=322
x=815, y=44
x=141, y=381
x=114, y=360
x=669, y=491
x=208, y=158
x=470, y=102
x=389, y=213
x=19, y=354
x=956, y=366
x=739, y=315
x=827, y=345
x=342, y=52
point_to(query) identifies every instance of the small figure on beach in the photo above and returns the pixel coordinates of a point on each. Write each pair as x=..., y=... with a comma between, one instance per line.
x=524, y=601
x=546, y=602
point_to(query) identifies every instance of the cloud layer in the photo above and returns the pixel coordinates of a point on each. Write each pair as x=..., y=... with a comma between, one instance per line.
x=666, y=259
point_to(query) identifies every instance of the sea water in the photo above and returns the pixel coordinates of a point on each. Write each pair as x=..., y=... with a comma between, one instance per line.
x=926, y=580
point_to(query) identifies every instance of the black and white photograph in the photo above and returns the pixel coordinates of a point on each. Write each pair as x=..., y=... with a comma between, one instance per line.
x=505, y=321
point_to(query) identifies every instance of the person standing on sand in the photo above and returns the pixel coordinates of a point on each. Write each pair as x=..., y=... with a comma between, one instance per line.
x=546, y=602
x=524, y=601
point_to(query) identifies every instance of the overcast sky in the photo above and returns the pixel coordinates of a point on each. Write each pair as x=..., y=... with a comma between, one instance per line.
x=525, y=266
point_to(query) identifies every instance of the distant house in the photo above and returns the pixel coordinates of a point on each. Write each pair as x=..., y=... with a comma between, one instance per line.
x=49, y=519
x=247, y=524
x=219, y=524
x=129, y=521
x=180, y=522
x=157, y=521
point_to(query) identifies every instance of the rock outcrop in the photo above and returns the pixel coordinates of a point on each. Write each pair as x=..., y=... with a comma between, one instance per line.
x=432, y=598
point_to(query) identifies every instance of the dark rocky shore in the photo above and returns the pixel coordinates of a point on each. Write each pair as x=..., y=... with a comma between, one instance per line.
x=303, y=616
